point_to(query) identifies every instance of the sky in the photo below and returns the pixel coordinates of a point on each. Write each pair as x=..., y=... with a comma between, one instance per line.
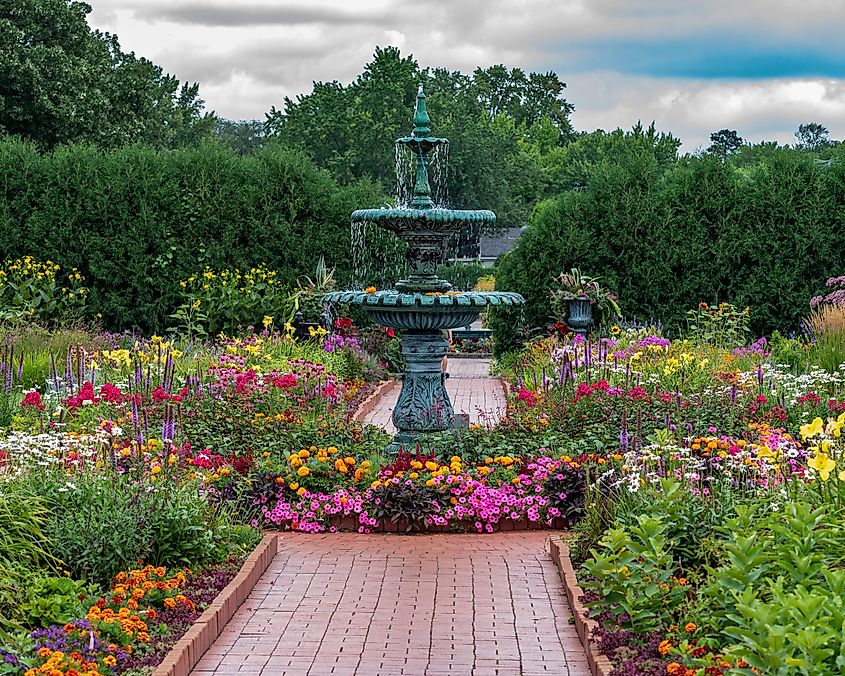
x=761, y=67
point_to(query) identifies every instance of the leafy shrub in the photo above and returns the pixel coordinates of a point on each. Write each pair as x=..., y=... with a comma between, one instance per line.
x=634, y=576
x=52, y=600
x=400, y=501
x=779, y=595
x=35, y=290
x=218, y=301
x=150, y=218
x=691, y=521
x=704, y=224
x=462, y=276
x=102, y=524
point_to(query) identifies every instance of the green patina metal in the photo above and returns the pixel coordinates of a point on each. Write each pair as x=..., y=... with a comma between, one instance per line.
x=423, y=305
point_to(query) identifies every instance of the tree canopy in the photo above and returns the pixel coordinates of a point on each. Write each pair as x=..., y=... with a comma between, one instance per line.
x=62, y=82
x=492, y=117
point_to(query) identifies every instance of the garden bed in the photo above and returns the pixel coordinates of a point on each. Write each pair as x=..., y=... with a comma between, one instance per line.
x=193, y=644
x=585, y=626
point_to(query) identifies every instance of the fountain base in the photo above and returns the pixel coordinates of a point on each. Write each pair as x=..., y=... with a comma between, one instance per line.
x=424, y=406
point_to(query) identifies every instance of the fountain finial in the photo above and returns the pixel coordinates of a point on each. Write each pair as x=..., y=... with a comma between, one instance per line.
x=421, y=118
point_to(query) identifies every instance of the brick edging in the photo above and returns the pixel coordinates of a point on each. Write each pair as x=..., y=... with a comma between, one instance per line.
x=600, y=665
x=188, y=650
x=370, y=402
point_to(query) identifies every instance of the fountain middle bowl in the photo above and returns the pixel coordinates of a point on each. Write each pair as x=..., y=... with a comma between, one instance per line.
x=424, y=311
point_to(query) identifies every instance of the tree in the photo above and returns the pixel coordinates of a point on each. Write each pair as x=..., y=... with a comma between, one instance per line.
x=812, y=136
x=62, y=82
x=724, y=142
x=242, y=136
x=496, y=119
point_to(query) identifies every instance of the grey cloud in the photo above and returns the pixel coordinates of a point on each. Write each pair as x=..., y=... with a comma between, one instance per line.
x=201, y=13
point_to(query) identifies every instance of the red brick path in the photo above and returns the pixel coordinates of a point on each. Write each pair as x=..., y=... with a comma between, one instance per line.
x=470, y=387
x=394, y=604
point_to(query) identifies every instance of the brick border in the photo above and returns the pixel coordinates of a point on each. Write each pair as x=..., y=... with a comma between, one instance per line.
x=188, y=650
x=600, y=665
x=370, y=402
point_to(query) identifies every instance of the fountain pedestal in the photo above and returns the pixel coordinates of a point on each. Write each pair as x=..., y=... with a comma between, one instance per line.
x=424, y=405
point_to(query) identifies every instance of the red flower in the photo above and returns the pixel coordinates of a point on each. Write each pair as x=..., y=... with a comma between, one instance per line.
x=33, y=399
x=391, y=333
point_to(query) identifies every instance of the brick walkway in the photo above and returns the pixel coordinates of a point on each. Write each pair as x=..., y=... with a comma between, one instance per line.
x=396, y=604
x=470, y=387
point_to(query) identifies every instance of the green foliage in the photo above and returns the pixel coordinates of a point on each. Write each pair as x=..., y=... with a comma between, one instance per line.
x=764, y=235
x=634, y=575
x=691, y=521
x=62, y=82
x=52, y=600
x=147, y=219
x=225, y=301
x=31, y=290
x=721, y=326
x=462, y=276
x=103, y=524
x=779, y=596
x=24, y=514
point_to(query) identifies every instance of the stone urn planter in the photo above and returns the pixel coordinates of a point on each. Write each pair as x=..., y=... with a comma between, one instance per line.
x=580, y=318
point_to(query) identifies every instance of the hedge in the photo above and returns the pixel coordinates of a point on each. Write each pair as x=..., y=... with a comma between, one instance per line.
x=136, y=220
x=766, y=236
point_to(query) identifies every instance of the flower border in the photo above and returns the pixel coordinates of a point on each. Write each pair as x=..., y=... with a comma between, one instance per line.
x=189, y=649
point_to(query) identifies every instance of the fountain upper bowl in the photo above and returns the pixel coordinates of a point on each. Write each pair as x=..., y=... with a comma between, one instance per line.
x=402, y=220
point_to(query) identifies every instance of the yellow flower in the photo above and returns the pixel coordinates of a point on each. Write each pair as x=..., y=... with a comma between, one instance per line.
x=615, y=330
x=823, y=464
x=196, y=305
x=834, y=428
x=370, y=289
x=303, y=471
x=301, y=492
x=267, y=321
x=812, y=429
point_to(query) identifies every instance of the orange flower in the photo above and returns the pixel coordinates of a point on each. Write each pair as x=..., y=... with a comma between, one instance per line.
x=674, y=669
x=690, y=627
x=664, y=648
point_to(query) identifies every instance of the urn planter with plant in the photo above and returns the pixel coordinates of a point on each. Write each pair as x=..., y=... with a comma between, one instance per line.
x=582, y=301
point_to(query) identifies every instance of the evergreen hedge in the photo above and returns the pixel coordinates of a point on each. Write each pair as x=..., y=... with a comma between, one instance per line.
x=137, y=220
x=665, y=238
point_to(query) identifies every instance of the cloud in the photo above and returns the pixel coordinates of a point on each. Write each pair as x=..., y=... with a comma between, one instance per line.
x=760, y=66
x=199, y=13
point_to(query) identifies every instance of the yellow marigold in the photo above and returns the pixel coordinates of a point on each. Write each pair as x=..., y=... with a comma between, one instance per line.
x=301, y=492
x=303, y=471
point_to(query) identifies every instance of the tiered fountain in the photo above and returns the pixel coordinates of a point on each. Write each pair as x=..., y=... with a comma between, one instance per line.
x=423, y=305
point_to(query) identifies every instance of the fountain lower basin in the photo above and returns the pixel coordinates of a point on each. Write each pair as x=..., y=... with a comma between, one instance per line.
x=424, y=311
